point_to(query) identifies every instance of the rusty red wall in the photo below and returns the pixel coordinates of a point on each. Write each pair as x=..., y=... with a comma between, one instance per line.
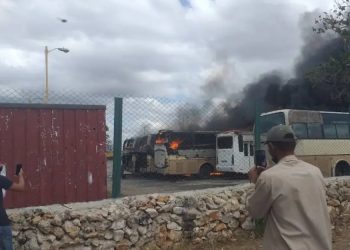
x=62, y=149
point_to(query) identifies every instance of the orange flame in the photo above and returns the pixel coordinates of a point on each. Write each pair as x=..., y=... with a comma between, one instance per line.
x=160, y=141
x=216, y=174
x=174, y=145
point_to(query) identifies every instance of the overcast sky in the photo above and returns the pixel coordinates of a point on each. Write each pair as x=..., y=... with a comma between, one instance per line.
x=148, y=47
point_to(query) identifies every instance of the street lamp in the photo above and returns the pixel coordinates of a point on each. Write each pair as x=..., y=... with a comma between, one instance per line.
x=47, y=51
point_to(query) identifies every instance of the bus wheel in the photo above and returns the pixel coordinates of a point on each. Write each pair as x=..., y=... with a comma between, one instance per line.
x=342, y=168
x=205, y=171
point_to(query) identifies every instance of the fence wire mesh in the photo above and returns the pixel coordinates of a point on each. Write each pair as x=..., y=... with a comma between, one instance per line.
x=174, y=136
x=181, y=136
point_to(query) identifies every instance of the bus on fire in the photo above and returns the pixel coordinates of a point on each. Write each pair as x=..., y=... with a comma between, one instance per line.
x=185, y=153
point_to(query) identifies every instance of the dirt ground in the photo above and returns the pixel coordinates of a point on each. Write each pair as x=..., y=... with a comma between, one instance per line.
x=341, y=241
x=137, y=185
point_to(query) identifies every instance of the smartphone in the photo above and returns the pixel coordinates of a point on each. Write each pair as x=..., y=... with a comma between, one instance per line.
x=18, y=168
x=260, y=158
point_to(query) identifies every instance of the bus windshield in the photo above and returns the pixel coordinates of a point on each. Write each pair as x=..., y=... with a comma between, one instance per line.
x=225, y=142
x=270, y=120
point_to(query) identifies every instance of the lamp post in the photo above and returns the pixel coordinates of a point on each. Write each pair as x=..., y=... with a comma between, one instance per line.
x=47, y=51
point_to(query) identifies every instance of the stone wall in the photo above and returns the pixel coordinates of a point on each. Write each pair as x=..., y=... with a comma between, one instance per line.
x=152, y=221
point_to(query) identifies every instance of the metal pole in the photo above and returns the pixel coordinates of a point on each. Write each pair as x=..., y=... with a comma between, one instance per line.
x=257, y=126
x=117, y=147
x=259, y=223
x=46, y=99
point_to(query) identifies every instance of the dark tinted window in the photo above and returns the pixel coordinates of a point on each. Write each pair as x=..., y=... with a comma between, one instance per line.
x=205, y=140
x=245, y=149
x=125, y=143
x=314, y=131
x=300, y=130
x=342, y=131
x=271, y=120
x=329, y=131
x=143, y=141
x=240, y=143
x=130, y=143
x=335, y=118
x=152, y=139
x=137, y=143
x=225, y=142
x=251, y=148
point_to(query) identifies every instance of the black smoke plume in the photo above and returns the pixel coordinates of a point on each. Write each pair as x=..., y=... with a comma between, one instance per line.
x=272, y=91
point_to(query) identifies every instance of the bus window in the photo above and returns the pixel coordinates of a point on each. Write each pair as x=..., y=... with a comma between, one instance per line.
x=333, y=118
x=225, y=142
x=245, y=149
x=300, y=130
x=251, y=148
x=314, y=131
x=205, y=140
x=329, y=131
x=180, y=140
x=342, y=131
x=271, y=120
x=240, y=143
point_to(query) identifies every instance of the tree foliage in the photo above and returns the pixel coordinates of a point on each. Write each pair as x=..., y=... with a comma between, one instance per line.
x=332, y=78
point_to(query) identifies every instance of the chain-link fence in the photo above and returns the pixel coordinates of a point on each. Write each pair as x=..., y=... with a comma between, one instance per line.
x=179, y=136
x=169, y=136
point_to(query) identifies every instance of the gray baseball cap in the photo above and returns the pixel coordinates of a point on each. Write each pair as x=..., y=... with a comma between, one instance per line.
x=281, y=133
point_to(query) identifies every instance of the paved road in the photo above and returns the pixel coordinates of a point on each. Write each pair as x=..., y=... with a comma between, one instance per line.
x=140, y=185
x=135, y=185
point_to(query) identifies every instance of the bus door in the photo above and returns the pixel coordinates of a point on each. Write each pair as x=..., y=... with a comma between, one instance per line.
x=225, y=153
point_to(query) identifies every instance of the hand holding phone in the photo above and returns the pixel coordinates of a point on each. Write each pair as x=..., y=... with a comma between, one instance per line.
x=18, y=169
x=260, y=158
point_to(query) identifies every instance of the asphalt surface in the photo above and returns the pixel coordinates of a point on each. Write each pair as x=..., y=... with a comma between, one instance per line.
x=136, y=185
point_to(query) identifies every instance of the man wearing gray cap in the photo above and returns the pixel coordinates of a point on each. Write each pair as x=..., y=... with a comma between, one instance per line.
x=291, y=197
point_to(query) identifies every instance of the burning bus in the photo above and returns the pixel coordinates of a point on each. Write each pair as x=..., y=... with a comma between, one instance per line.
x=185, y=153
x=128, y=149
x=138, y=154
x=235, y=152
x=144, y=154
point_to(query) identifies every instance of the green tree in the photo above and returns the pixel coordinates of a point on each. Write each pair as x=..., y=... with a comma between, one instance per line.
x=332, y=78
x=336, y=20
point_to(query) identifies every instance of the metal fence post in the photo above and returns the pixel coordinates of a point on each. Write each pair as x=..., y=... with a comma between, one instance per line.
x=117, y=147
x=259, y=223
x=257, y=126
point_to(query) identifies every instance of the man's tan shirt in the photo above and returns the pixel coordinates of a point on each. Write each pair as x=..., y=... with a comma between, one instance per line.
x=291, y=196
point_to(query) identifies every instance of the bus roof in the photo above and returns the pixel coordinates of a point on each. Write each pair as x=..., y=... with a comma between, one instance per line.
x=235, y=131
x=178, y=131
x=288, y=110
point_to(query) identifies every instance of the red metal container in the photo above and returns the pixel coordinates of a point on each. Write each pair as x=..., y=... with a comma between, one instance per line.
x=61, y=148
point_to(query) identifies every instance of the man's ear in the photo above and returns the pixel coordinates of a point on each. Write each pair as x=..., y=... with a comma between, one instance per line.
x=272, y=147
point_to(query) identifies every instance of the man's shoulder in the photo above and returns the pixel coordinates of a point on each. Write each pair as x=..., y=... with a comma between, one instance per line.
x=280, y=168
x=309, y=166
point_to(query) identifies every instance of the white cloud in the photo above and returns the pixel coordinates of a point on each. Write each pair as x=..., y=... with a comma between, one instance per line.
x=147, y=47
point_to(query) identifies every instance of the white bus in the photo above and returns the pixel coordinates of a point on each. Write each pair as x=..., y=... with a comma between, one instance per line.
x=185, y=153
x=235, y=152
x=323, y=137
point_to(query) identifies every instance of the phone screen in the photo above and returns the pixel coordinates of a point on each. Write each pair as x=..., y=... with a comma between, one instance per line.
x=18, y=168
x=260, y=158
